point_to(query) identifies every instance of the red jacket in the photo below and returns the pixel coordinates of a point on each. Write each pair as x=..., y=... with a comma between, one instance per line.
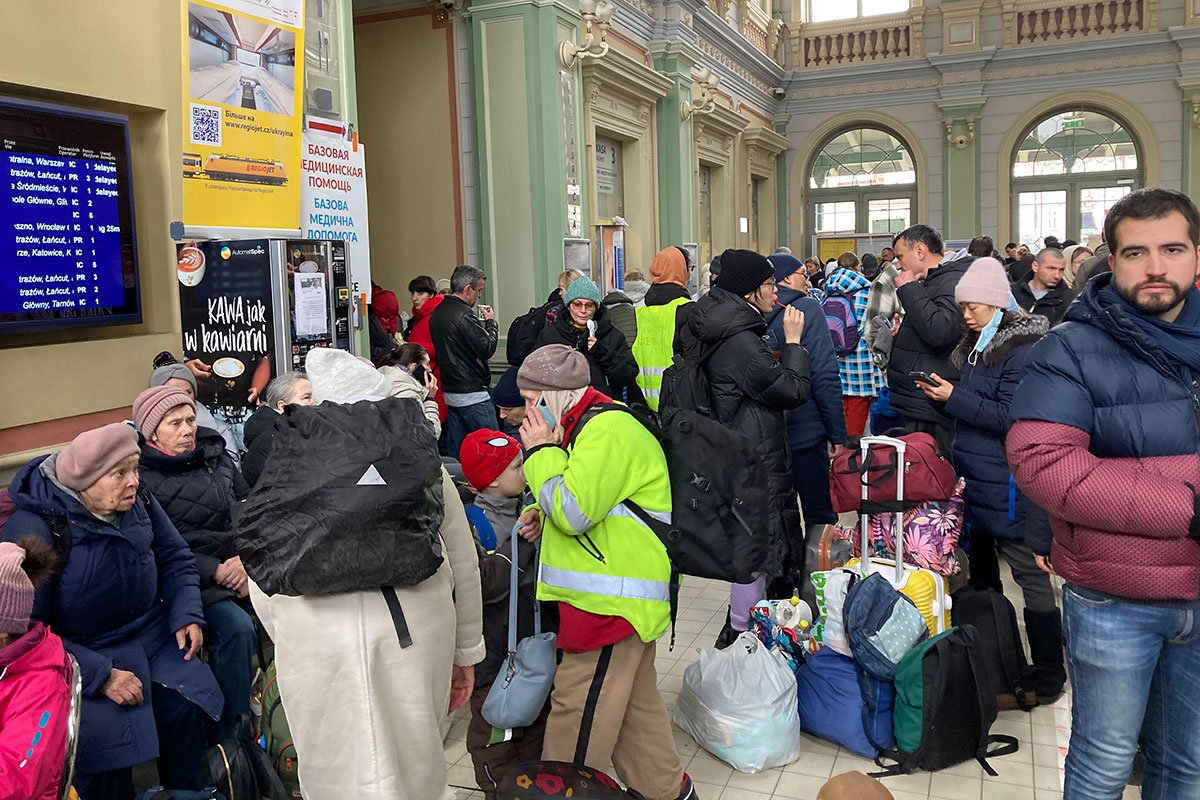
x=420, y=335
x=35, y=703
x=386, y=308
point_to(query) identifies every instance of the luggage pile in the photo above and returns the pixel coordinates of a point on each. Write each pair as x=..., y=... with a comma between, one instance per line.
x=883, y=643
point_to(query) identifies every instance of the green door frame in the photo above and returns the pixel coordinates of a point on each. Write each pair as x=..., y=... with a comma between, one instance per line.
x=1072, y=184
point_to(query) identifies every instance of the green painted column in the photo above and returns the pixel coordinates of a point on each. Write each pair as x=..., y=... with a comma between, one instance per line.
x=961, y=215
x=1190, y=179
x=526, y=111
x=676, y=145
x=782, y=195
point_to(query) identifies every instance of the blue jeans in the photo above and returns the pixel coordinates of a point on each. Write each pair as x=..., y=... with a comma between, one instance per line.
x=466, y=419
x=1131, y=663
x=231, y=642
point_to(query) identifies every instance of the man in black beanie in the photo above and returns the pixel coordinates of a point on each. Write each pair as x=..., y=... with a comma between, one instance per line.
x=751, y=390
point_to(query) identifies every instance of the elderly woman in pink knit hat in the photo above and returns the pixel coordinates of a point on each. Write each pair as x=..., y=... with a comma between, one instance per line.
x=126, y=603
x=991, y=357
x=190, y=473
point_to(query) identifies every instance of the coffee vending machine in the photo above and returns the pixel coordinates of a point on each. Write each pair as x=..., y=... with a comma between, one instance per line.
x=252, y=309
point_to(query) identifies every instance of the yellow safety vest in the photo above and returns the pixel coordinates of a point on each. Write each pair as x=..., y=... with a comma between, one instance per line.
x=654, y=348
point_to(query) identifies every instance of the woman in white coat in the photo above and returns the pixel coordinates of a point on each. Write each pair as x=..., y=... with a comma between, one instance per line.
x=364, y=713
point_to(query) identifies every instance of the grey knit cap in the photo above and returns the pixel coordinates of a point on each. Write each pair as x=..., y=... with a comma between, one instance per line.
x=554, y=367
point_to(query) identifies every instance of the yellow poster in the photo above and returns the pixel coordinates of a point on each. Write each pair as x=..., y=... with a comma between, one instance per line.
x=832, y=248
x=243, y=84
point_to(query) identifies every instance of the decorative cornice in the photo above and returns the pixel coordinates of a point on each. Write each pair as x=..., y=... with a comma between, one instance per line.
x=1070, y=67
x=767, y=140
x=865, y=88
x=717, y=55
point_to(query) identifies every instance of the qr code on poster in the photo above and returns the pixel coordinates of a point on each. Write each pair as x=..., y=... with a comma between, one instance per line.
x=206, y=125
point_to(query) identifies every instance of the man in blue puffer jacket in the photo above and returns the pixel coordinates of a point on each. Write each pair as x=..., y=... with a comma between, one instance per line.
x=816, y=428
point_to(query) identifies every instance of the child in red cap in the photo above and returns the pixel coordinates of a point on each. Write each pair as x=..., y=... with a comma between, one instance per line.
x=492, y=464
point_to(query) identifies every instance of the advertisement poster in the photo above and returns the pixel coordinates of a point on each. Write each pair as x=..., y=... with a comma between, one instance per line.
x=228, y=326
x=243, y=87
x=333, y=197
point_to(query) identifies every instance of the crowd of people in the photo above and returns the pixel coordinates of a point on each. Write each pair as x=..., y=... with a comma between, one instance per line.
x=1062, y=384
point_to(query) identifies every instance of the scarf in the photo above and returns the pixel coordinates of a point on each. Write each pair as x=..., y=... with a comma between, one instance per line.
x=1178, y=341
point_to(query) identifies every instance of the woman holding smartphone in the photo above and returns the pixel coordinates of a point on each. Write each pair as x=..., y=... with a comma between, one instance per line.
x=991, y=357
x=408, y=370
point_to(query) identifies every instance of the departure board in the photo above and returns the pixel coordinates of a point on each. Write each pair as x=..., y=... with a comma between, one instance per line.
x=67, y=249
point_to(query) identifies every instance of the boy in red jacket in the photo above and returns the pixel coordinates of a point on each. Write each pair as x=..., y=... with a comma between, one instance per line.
x=35, y=697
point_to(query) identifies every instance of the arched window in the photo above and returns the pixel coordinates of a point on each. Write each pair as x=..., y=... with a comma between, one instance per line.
x=862, y=181
x=1067, y=171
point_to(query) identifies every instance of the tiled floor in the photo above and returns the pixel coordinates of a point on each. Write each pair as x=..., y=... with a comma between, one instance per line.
x=1032, y=773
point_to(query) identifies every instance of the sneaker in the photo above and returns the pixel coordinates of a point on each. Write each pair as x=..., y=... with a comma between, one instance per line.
x=686, y=790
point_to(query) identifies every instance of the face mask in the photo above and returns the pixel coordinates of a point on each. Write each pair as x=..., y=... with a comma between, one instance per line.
x=989, y=331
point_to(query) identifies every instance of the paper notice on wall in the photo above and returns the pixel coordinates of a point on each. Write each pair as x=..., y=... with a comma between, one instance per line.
x=312, y=304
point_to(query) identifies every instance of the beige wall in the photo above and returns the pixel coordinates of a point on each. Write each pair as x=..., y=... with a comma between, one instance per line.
x=407, y=121
x=127, y=60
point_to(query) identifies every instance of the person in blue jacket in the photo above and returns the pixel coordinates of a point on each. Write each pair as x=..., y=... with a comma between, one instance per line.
x=991, y=358
x=126, y=604
x=816, y=429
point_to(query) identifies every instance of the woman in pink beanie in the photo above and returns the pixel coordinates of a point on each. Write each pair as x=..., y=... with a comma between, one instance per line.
x=991, y=357
x=126, y=603
x=35, y=695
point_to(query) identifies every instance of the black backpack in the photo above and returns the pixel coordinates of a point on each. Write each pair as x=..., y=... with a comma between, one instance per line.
x=944, y=710
x=350, y=498
x=239, y=768
x=1008, y=674
x=719, y=498
x=523, y=334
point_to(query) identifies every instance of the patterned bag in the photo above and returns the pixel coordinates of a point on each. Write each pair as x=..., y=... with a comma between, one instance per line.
x=931, y=534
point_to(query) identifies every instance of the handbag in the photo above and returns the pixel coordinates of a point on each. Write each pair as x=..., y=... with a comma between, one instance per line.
x=927, y=476
x=520, y=690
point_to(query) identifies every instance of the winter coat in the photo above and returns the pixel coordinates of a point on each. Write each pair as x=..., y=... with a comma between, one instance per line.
x=406, y=386
x=35, y=705
x=822, y=419
x=197, y=490
x=1053, y=304
x=464, y=343
x=364, y=710
x=420, y=335
x=751, y=392
x=933, y=324
x=614, y=370
x=258, y=433
x=1105, y=438
x=205, y=419
x=660, y=294
x=979, y=406
x=860, y=377
x=125, y=588
x=623, y=315
x=495, y=579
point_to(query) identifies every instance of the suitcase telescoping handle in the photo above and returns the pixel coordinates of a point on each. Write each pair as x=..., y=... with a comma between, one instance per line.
x=898, y=526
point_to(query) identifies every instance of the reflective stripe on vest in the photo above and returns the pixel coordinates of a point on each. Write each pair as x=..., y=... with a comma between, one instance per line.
x=607, y=585
x=579, y=522
x=622, y=510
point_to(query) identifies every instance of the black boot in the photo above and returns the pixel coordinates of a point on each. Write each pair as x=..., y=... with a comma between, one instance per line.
x=1044, y=630
x=728, y=635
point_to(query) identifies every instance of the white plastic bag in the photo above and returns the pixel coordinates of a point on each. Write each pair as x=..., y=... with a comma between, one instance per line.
x=740, y=705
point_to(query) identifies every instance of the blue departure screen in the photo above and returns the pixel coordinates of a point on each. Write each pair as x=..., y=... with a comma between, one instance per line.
x=68, y=251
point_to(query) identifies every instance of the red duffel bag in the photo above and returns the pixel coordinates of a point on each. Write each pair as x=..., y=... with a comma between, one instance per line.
x=865, y=479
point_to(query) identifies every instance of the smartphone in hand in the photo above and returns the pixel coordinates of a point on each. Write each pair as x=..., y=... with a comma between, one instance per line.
x=546, y=413
x=923, y=377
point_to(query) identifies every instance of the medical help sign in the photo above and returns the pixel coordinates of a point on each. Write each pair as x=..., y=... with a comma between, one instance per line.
x=333, y=197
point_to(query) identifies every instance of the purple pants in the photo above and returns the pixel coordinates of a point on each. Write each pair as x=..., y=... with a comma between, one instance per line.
x=742, y=597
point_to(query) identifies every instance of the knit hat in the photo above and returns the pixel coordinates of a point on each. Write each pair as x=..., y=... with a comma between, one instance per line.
x=485, y=454
x=984, y=282
x=90, y=456
x=506, y=394
x=582, y=288
x=443, y=285
x=743, y=271
x=153, y=404
x=669, y=266
x=22, y=566
x=785, y=266
x=554, y=367
x=161, y=375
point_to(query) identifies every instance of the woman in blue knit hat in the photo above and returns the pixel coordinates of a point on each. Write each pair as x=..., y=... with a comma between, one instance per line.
x=587, y=328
